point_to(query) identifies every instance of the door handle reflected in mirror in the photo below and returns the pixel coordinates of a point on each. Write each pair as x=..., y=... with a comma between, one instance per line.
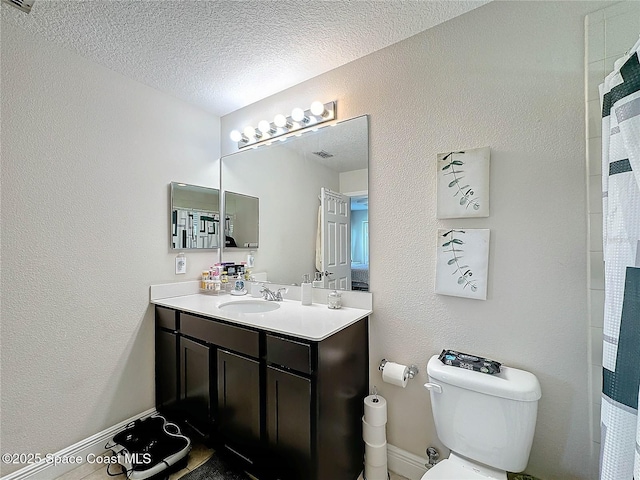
x=326, y=273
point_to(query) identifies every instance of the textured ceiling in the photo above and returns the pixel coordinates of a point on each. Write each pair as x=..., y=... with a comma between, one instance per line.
x=224, y=55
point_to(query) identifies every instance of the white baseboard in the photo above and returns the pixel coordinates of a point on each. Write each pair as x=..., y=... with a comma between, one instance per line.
x=44, y=470
x=405, y=463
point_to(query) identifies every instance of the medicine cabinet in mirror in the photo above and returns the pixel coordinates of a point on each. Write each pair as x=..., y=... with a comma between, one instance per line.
x=240, y=220
x=313, y=209
x=195, y=217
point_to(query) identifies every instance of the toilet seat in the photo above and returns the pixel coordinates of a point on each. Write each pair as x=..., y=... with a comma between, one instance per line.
x=458, y=468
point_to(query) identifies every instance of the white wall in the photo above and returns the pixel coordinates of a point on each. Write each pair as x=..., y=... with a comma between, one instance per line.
x=287, y=185
x=508, y=75
x=354, y=181
x=87, y=157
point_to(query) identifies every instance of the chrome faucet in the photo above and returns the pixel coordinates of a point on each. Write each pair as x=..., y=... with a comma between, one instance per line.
x=271, y=295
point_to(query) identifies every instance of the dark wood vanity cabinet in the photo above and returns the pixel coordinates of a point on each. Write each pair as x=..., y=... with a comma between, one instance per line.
x=289, y=408
x=239, y=400
x=166, y=359
x=288, y=418
x=195, y=383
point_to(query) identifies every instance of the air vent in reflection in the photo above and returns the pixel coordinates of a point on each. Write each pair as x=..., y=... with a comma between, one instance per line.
x=24, y=5
x=323, y=154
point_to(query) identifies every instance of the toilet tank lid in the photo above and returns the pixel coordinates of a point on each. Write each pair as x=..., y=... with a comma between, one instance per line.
x=510, y=383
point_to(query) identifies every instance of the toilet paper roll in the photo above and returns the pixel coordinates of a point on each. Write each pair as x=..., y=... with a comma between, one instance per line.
x=375, y=455
x=375, y=410
x=373, y=435
x=373, y=472
x=395, y=374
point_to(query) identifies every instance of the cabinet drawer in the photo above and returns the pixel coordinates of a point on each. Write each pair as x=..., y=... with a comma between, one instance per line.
x=166, y=318
x=289, y=353
x=227, y=336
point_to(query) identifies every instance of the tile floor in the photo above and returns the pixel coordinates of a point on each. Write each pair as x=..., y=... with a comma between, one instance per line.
x=198, y=455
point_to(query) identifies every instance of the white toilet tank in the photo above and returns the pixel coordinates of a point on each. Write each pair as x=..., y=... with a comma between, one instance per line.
x=487, y=418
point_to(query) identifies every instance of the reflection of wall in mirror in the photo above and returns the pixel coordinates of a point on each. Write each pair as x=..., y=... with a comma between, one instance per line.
x=354, y=181
x=288, y=186
x=196, y=198
x=243, y=212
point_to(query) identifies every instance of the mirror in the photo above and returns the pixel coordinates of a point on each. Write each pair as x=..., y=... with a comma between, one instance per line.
x=290, y=178
x=240, y=220
x=195, y=217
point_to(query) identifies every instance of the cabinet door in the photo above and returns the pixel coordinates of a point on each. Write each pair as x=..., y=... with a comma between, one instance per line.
x=239, y=398
x=289, y=420
x=195, y=392
x=166, y=369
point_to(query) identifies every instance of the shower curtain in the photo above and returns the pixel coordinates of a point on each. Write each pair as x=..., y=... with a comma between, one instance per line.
x=620, y=437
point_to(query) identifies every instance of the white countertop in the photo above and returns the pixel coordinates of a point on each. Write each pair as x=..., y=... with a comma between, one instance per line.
x=313, y=322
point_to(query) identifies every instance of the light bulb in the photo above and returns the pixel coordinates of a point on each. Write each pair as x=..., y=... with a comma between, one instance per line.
x=264, y=126
x=280, y=120
x=235, y=135
x=317, y=108
x=297, y=114
x=249, y=131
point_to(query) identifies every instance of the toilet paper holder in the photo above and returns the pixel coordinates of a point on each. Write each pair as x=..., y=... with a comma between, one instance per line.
x=413, y=369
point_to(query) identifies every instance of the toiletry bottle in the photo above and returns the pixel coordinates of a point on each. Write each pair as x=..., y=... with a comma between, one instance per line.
x=215, y=285
x=224, y=280
x=250, y=259
x=317, y=281
x=306, y=289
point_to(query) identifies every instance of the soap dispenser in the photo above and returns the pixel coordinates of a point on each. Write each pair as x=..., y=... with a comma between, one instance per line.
x=306, y=288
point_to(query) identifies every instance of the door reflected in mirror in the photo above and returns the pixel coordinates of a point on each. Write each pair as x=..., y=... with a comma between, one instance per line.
x=195, y=217
x=241, y=220
x=313, y=192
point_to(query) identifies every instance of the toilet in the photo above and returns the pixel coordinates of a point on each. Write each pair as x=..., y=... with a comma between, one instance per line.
x=487, y=421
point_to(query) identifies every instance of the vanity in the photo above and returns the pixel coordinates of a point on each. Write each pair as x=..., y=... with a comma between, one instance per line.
x=281, y=390
x=278, y=385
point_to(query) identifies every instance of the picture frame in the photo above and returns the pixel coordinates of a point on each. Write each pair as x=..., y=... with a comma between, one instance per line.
x=462, y=262
x=463, y=183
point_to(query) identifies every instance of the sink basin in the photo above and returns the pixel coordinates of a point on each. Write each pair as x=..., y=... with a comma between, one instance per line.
x=249, y=306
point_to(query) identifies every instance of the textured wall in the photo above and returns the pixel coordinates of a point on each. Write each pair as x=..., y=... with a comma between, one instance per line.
x=87, y=156
x=508, y=75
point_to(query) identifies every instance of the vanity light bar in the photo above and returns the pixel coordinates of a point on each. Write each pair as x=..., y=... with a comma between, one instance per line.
x=298, y=121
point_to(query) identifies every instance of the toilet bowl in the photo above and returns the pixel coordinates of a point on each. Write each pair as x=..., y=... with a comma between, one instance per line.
x=487, y=421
